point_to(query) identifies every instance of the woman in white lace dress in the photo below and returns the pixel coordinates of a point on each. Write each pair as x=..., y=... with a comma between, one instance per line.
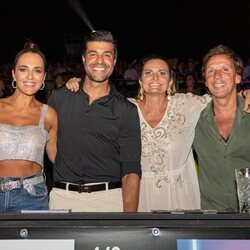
x=169, y=179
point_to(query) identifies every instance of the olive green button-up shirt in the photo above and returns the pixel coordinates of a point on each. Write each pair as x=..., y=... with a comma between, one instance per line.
x=218, y=159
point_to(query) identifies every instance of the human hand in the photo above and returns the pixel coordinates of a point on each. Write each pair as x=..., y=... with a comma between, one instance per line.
x=247, y=100
x=73, y=84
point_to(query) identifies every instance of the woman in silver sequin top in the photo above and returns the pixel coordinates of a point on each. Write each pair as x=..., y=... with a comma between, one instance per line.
x=27, y=127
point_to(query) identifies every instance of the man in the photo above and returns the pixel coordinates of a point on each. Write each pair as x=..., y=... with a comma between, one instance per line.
x=97, y=168
x=222, y=134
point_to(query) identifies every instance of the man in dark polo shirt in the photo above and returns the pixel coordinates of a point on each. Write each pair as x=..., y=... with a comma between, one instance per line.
x=97, y=167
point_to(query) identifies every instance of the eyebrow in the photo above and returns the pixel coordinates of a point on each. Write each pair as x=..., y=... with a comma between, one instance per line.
x=166, y=70
x=26, y=66
x=96, y=51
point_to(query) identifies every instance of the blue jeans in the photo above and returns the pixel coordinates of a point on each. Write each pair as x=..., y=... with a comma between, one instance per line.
x=20, y=199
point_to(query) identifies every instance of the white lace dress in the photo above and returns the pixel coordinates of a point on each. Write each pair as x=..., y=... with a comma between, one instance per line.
x=169, y=179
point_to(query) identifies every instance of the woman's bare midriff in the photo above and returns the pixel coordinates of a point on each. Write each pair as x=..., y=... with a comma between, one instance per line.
x=18, y=168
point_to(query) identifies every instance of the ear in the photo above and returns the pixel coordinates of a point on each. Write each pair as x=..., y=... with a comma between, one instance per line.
x=13, y=74
x=140, y=82
x=44, y=77
x=83, y=59
x=238, y=79
x=171, y=82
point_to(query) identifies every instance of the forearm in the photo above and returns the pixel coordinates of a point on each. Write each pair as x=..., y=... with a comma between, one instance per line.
x=51, y=150
x=130, y=192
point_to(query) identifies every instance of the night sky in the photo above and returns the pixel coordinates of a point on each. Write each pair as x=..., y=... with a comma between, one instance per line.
x=183, y=29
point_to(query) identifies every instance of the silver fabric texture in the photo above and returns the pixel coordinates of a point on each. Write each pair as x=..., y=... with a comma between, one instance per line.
x=24, y=143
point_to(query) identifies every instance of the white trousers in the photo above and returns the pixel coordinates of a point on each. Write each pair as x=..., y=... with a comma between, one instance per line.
x=101, y=201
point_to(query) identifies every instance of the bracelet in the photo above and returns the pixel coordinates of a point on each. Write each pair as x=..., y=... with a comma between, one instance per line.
x=242, y=93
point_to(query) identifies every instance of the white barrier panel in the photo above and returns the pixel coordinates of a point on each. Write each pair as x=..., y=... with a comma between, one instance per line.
x=37, y=244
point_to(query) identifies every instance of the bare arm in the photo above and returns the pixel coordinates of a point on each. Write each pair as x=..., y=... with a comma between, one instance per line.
x=51, y=148
x=130, y=192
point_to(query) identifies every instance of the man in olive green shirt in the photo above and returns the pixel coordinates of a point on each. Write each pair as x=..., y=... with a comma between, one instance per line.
x=222, y=135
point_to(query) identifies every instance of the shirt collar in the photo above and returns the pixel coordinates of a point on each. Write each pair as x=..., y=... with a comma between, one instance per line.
x=209, y=114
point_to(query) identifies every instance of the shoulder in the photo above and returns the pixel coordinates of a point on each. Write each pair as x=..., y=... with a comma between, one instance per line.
x=51, y=117
x=59, y=92
x=4, y=102
x=132, y=100
x=51, y=111
x=124, y=102
x=191, y=98
x=61, y=96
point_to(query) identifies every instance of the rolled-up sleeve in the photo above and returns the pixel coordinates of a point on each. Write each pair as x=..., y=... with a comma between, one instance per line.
x=130, y=142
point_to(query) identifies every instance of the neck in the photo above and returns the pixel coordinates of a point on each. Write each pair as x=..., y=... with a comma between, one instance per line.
x=22, y=101
x=96, y=90
x=224, y=106
x=154, y=103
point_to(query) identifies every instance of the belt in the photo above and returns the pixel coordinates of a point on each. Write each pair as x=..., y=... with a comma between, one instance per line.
x=88, y=188
x=26, y=183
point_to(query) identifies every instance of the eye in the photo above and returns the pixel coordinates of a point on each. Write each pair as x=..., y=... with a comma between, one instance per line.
x=148, y=73
x=210, y=71
x=163, y=73
x=22, y=69
x=92, y=54
x=108, y=55
x=225, y=70
x=39, y=71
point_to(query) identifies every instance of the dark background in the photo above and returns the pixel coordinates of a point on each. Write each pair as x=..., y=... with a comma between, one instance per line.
x=183, y=29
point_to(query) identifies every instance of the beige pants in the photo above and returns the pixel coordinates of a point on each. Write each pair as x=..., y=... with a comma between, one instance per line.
x=101, y=201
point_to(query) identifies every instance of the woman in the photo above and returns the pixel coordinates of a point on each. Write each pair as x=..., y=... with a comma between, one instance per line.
x=169, y=180
x=191, y=86
x=26, y=127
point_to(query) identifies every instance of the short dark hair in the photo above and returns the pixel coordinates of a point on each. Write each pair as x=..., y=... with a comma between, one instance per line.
x=223, y=50
x=30, y=47
x=99, y=36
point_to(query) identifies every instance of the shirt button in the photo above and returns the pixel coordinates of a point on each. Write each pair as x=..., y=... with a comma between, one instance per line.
x=225, y=157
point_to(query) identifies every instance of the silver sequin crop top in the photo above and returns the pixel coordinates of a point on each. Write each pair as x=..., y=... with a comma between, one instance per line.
x=24, y=143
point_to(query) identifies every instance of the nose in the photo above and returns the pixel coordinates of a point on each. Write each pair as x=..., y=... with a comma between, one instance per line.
x=30, y=74
x=155, y=76
x=99, y=59
x=217, y=74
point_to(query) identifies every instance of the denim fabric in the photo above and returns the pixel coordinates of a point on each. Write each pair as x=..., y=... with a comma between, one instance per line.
x=20, y=199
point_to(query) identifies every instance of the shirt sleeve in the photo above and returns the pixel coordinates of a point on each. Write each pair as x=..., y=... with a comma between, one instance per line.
x=130, y=142
x=51, y=100
x=195, y=103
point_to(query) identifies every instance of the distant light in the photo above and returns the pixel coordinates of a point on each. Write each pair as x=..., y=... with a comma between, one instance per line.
x=79, y=10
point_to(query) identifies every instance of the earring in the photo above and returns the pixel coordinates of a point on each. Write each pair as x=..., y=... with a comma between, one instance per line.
x=140, y=95
x=13, y=84
x=43, y=85
x=169, y=93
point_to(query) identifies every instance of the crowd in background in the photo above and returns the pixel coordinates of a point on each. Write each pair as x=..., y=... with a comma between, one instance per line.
x=186, y=74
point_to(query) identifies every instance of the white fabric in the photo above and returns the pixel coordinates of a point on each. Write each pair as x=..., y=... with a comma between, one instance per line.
x=101, y=201
x=169, y=180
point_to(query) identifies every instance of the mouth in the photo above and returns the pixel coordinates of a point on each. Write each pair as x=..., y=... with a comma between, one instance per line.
x=219, y=85
x=155, y=85
x=29, y=84
x=99, y=68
